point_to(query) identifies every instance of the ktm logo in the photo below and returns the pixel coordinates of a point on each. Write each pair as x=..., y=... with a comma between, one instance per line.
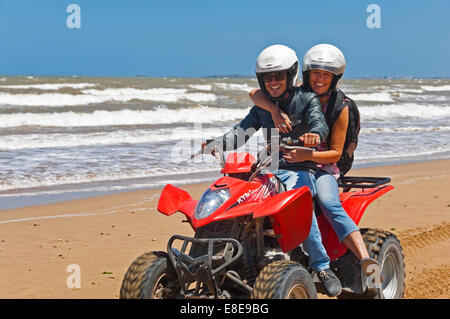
x=244, y=197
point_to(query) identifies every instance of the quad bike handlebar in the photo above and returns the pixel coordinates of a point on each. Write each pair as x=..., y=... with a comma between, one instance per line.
x=218, y=153
x=345, y=182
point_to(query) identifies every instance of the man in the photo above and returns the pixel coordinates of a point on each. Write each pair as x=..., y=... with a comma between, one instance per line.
x=277, y=73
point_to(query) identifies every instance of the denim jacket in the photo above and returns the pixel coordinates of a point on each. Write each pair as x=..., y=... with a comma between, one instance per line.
x=304, y=110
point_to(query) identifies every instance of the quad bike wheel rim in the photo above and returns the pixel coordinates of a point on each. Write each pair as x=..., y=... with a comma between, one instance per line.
x=159, y=288
x=298, y=292
x=164, y=287
x=390, y=275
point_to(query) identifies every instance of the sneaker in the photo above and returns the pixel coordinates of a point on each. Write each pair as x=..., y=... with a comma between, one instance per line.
x=330, y=282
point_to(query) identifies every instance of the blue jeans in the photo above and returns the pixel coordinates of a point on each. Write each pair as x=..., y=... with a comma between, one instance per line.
x=318, y=258
x=328, y=198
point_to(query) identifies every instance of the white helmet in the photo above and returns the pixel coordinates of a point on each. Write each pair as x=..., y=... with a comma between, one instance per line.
x=325, y=57
x=274, y=59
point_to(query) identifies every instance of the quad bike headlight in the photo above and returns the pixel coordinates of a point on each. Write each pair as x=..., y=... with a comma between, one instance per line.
x=210, y=201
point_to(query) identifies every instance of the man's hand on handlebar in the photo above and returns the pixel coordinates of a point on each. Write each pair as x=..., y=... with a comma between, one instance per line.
x=208, y=147
x=310, y=139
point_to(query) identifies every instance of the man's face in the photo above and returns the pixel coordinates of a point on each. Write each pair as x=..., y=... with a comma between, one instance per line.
x=275, y=82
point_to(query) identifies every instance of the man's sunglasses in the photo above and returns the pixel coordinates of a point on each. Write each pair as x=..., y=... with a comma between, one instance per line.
x=277, y=76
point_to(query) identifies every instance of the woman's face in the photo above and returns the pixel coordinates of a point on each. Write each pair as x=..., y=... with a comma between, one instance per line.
x=320, y=80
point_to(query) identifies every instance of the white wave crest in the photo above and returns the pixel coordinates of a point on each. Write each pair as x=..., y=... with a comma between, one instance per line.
x=402, y=90
x=49, y=86
x=436, y=88
x=407, y=110
x=160, y=115
x=91, y=96
x=34, y=141
x=33, y=182
x=234, y=87
x=157, y=94
x=390, y=157
x=49, y=99
x=201, y=87
x=407, y=129
x=372, y=97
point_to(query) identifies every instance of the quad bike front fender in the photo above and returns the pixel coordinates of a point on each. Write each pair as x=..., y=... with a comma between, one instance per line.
x=291, y=214
x=174, y=199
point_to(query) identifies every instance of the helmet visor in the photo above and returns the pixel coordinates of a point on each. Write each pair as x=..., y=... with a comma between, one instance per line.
x=329, y=68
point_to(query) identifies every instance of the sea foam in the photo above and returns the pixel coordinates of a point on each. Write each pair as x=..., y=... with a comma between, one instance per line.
x=57, y=140
x=92, y=96
x=406, y=110
x=49, y=86
x=372, y=97
x=436, y=88
x=159, y=115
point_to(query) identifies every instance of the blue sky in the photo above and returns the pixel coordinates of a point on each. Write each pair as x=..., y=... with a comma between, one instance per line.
x=206, y=37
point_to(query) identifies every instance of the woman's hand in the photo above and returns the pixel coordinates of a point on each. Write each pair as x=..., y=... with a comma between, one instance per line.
x=294, y=156
x=310, y=139
x=281, y=121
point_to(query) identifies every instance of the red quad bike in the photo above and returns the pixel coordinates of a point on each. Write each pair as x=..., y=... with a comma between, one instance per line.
x=248, y=229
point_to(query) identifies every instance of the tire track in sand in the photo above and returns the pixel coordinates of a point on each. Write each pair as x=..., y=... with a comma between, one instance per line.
x=433, y=284
x=422, y=237
x=425, y=283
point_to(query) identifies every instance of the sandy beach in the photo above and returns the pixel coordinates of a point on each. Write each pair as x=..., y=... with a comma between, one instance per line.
x=103, y=235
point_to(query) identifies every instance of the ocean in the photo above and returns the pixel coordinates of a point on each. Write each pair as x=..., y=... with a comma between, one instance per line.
x=72, y=137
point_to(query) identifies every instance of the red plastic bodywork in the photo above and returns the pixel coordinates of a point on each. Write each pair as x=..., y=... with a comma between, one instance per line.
x=290, y=211
x=354, y=203
x=238, y=163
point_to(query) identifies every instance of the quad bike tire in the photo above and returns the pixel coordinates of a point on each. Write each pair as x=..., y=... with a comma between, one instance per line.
x=150, y=276
x=386, y=249
x=284, y=279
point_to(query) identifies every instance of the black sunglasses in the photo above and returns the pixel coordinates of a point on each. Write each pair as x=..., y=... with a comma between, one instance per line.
x=277, y=76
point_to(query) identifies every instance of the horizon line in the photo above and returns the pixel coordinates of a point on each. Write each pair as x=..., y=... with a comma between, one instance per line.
x=233, y=76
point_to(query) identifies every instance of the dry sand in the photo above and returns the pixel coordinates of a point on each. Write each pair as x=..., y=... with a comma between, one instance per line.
x=103, y=235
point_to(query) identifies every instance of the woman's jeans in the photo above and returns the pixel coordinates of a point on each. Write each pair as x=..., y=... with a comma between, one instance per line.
x=318, y=258
x=328, y=198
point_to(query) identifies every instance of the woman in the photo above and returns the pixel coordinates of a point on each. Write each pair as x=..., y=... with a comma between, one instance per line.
x=323, y=66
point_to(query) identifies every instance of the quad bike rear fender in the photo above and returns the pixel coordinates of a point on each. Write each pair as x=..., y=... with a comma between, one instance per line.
x=355, y=204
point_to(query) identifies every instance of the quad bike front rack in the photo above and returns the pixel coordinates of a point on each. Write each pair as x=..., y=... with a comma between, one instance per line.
x=204, y=268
